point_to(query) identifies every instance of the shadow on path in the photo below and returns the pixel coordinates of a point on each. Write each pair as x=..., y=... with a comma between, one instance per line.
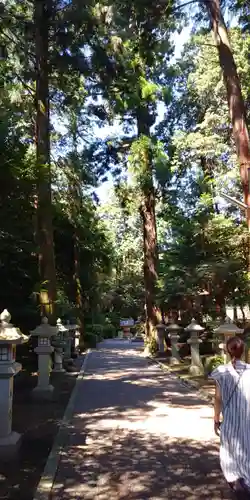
x=138, y=434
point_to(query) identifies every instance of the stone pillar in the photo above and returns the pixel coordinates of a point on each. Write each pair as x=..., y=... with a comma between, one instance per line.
x=59, y=345
x=64, y=332
x=174, y=336
x=58, y=359
x=161, y=337
x=74, y=334
x=226, y=331
x=10, y=337
x=44, y=332
x=77, y=340
x=126, y=332
x=194, y=341
x=126, y=325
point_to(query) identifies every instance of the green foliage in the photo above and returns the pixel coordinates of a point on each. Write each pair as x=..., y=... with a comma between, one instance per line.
x=212, y=362
x=108, y=331
x=111, y=64
x=204, y=249
x=139, y=328
x=152, y=346
x=90, y=340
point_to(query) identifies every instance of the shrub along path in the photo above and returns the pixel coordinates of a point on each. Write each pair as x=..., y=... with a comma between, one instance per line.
x=138, y=433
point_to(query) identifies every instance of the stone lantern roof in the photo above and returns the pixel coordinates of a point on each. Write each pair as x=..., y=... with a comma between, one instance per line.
x=160, y=326
x=72, y=326
x=60, y=327
x=194, y=327
x=228, y=327
x=173, y=328
x=9, y=334
x=44, y=329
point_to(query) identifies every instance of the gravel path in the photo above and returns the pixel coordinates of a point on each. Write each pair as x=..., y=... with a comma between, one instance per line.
x=138, y=433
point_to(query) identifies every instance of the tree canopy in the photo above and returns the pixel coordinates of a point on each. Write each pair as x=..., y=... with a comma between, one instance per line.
x=96, y=92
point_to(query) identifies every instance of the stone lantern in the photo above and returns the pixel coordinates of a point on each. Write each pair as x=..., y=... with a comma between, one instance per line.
x=77, y=339
x=173, y=332
x=10, y=337
x=194, y=341
x=226, y=331
x=64, y=333
x=160, y=329
x=74, y=332
x=126, y=325
x=44, y=332
x=59, y=344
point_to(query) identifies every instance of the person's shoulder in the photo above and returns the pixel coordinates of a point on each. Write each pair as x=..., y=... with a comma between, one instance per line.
x=219, y=371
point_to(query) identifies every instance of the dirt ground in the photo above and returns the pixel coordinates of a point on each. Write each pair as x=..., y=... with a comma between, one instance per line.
x=182, y=371
x=38, y=423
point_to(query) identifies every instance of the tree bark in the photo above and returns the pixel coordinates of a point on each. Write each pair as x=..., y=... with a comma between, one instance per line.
x=147, y=211
x=235, y=99
x=75, y=195
x=45, y=237
x=77, y=281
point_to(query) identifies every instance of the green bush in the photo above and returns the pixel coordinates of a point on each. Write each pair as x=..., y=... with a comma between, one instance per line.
x=96, y=329
x=139, y=328
x=212, y=362
x=152, y=346
x=108, y=331
x=90, y=340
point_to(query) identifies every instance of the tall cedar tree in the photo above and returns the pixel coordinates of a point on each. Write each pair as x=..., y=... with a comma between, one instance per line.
x=44, y=228
x=139, y=52
x=235, y=99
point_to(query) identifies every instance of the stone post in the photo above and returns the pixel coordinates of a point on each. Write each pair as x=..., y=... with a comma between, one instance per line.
x=173, y=332
x=44, y=332
x=10, y=337
x=64, y=332
x=74, y=334
x=77, y=339
x=59, y=345
x=226, y=331
x=194, y=329
x=160, y=328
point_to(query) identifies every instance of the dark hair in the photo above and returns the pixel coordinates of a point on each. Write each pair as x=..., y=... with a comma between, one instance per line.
x=235, y=348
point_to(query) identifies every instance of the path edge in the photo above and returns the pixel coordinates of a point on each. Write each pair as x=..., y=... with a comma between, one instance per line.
x=186, y=383
x=46, y=482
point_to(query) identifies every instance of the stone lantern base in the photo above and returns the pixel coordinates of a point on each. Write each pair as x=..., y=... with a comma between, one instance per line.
x=44, y=393
x=196, y=371
x=174, y=361
x=9, y=445
x=58, y=361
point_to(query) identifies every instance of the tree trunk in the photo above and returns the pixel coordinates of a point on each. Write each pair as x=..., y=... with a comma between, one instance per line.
x=147, y=211
x=75, y=195
x=77, y=281
x=45, y=237
x=235, y=99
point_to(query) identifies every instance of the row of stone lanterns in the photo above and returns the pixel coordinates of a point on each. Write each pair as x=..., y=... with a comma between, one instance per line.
x=173, y=330
x=50, y=339
x=225, y=331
